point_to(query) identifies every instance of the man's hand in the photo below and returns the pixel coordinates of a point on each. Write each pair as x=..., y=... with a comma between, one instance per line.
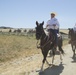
x=47, y=25
x=54, y=25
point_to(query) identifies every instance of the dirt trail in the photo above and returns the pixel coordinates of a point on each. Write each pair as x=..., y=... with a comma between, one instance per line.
x=31, y=65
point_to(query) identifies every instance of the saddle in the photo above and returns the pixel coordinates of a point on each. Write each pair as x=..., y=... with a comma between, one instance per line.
x=52, y=36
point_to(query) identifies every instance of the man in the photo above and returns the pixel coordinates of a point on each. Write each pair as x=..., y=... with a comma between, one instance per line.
x=74, y=28
x=53, y=26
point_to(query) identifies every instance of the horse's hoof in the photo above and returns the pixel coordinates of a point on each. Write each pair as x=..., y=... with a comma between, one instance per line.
x=41, y=72
x=61, y=62
x=50, y=64
x=73, y=56
x=53, y=65
x=61, y=59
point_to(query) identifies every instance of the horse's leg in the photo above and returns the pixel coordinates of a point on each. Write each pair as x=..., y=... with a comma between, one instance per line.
x=73, y=48
x=53, y=51
x=60, y=43
x=61, y=52
x=44, y=52
x=47, y=62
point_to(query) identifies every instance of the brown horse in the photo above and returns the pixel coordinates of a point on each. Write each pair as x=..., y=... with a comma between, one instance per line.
x=72, y=36
x=45, y=44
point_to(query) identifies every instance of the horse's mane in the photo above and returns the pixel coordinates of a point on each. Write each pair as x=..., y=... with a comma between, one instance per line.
x=72, y=34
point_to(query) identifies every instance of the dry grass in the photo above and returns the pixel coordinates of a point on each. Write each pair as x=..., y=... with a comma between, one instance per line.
x=65, y=42
x=15, y=46
x=64, y=30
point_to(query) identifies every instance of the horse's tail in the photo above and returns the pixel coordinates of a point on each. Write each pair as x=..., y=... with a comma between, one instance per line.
x=60, y=41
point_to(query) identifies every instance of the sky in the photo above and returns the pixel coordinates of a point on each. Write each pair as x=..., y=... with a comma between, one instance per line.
x=25, y=13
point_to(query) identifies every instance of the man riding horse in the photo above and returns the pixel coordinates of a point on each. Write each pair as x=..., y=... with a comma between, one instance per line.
x=72, y=34
x=45, y=45
x=53, y=26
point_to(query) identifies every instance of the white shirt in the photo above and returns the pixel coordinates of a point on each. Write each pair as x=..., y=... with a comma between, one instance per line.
x=49, y=24
x=74, y=28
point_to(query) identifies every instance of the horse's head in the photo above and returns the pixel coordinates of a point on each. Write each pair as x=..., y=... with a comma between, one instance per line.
x=39, y=30
x=71, y=32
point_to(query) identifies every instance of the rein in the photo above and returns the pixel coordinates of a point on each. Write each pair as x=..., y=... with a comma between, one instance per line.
x=38, y=44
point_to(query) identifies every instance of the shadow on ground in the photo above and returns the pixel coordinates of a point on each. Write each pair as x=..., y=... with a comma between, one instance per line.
x=54, y=70
x=74, y=59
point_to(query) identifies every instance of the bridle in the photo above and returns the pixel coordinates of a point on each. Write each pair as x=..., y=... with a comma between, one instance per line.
x=39, y=35
x=38, y=43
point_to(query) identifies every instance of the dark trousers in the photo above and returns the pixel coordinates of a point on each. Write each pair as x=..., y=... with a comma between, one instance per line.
x=54, y=32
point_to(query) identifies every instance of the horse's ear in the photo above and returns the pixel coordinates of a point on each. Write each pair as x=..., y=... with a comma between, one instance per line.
x=69, y=29
x=37, y=23
x=72, y=28
x=43, y=23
